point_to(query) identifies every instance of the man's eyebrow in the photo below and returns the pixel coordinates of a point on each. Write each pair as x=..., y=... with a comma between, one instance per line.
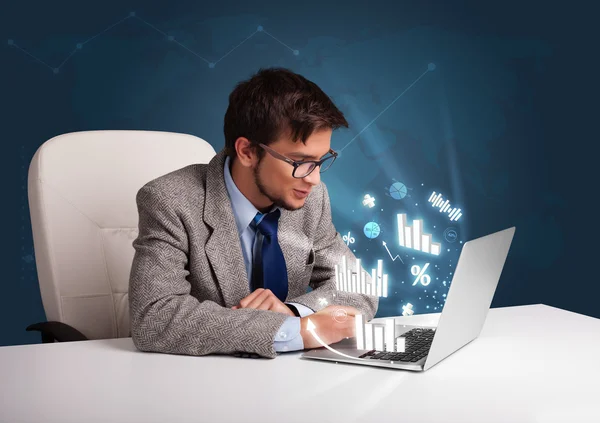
x=305, y=156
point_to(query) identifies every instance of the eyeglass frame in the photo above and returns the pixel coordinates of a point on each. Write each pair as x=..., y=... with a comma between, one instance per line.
x=296, y=164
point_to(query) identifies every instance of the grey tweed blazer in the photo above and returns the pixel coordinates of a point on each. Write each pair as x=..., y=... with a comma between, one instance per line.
x=188, y=269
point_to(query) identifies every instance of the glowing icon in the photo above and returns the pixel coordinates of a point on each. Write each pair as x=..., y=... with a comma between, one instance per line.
x=397, y=190
x=444, y=206
x=422, y=277
x=27, y=258
x=369, y=201
x=356, y=281
x=348, y=239
x=450, y=234
x=322, y=301
x=393, y=258
x=372, y=230
x=413, y=237
x=407, y=310
x=339, y=315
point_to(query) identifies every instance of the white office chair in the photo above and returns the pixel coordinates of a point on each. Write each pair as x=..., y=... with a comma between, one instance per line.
x=81, y=189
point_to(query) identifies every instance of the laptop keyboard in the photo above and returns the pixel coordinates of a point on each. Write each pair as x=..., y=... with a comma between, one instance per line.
x=417, y=344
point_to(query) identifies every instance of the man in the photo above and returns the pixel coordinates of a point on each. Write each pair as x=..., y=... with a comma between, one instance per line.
x=226, y=251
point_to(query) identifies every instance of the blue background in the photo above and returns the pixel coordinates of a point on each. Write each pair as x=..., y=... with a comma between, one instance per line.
x=491, y=106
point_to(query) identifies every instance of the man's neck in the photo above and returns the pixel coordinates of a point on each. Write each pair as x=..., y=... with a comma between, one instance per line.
x=244, y=181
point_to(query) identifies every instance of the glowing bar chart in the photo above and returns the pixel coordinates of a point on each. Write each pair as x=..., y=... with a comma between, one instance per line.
x=414, y=238
x=378, y=333
x=380, y=336
x=360, y=334
x=390, y=334
x=437, y=200
x=369, y=335
x=348, y=280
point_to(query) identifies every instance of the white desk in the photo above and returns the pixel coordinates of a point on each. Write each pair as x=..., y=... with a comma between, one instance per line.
x=530, y=364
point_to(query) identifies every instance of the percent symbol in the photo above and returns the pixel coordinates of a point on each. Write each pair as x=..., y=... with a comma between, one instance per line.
x=348, y=239
x=420, y=274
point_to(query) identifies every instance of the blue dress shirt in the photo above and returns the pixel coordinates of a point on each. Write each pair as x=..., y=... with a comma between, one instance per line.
x=288, y=336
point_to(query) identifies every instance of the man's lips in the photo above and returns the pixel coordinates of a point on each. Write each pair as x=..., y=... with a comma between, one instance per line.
x=301, y=193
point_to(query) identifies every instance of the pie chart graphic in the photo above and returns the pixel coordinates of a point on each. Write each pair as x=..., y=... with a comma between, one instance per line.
x=398, y=190
x=372, y=230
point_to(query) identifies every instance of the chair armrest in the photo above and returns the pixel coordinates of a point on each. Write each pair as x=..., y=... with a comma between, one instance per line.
x=58, y=331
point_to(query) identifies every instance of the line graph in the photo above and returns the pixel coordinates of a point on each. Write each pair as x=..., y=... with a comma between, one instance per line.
x=170, y=38
x=393, y=258
x=430, y=68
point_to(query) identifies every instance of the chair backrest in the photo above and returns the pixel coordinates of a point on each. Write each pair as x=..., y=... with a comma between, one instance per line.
x=81, y=189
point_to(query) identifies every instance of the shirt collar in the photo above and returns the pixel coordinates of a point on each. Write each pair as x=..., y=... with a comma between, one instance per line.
x=243, y=210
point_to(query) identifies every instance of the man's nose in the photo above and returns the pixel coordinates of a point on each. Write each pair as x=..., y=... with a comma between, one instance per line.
x=314, y=177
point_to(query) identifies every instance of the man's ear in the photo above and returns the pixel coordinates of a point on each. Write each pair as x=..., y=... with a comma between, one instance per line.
x=246, y=153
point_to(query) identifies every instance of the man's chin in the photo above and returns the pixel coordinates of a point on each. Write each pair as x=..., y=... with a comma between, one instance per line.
x=292, y=205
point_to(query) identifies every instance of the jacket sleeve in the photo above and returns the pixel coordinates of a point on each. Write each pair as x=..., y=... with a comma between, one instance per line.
x=164, y=316
x=329, y=249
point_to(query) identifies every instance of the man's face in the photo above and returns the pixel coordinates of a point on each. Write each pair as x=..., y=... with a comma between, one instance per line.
x=274, y=179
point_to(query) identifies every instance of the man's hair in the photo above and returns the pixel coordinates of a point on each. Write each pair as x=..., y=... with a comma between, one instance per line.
x=275, y=102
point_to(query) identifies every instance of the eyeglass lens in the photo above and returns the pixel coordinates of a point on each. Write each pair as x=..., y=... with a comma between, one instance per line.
x=305, y=168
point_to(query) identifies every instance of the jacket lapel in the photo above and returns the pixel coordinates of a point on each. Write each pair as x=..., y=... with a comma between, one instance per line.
x=223, y=247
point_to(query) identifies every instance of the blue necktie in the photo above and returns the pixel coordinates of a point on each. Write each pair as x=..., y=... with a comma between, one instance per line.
x=269, y=269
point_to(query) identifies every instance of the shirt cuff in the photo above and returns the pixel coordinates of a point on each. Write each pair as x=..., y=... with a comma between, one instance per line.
x=302, y=309
x=288, y=336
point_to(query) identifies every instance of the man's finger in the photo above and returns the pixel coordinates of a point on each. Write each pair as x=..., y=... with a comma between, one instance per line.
x=267, y=304
x=259, y=299
x=245, y=301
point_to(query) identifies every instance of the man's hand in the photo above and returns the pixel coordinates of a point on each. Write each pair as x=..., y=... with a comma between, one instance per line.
x=264, y=299
x=333, y=323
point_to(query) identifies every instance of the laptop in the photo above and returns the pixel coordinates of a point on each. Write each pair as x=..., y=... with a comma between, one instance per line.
x=467, y=303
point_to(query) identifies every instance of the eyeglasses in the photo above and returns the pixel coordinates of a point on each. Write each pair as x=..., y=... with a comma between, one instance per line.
x=304, y=168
